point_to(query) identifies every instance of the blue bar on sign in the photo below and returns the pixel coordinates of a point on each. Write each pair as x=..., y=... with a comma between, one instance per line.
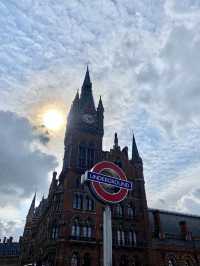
x=109, y=180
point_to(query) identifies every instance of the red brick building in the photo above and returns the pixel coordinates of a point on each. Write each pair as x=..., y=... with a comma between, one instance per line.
x=66, y=228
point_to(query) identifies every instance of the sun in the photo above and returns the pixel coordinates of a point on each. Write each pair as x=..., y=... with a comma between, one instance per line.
x=53, y=119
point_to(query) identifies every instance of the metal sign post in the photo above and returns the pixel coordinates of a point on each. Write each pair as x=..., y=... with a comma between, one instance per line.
x=107, y=237
x=98, y=184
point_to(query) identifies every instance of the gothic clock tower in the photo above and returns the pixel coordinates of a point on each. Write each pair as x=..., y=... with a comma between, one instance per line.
x=84, y=131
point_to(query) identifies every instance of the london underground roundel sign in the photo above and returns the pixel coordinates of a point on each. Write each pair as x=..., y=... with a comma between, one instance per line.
x=108, y=182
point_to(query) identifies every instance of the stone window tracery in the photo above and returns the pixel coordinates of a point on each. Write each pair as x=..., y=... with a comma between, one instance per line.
x=76, y=230
x=130, y=211
x=78, y=201
x=119, y=210
x=120, y=237
x=89, y=204
x=131, y=238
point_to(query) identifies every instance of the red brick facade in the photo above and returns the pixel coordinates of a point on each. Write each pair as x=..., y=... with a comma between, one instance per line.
x=66, y=228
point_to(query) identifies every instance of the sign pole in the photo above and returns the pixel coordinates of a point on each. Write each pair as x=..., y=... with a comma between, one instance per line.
x=95, y=178
x=107, y=237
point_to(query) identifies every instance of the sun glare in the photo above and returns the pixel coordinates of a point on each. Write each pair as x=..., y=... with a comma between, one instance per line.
x=53, y=119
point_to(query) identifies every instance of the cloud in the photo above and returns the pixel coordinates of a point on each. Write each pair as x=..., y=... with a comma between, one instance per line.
x=24, y=167
x=144, y=59
x=181, y=194
x=10, y=228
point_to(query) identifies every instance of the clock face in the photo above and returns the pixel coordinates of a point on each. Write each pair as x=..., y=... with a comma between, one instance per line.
x=87, y=118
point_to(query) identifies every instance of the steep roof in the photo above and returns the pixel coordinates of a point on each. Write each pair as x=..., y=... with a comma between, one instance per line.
x=170, y=222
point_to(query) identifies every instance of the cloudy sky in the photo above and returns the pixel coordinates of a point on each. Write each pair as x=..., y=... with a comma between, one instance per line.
x=144, y=60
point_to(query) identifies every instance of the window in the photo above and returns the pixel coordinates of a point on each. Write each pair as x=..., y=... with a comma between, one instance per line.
x=86, y=156
x=54, y=233
x=120, y=238
x=89, y=204
x=74, y=260
x=90, y=157
x=130, y=211
x=82, y=157
x=78, y=201
x=75, y=229
x=119, y=210
x=87, y=231
x=131, y=238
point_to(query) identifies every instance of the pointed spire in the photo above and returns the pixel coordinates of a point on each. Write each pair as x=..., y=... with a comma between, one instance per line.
x=32, y=207
x=53, y=184
x=116, y=146
x=74, y=106
x=100, y=105
x=87, y=81
x=135, y=153
x=76, y=99
x=86, y=98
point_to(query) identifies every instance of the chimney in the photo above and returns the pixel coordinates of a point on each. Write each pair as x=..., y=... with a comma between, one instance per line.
x=4, y=240
x=184, y=231
x=158, y=232
x=11, y=239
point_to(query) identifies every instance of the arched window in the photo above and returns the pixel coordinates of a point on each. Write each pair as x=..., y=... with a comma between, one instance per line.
x=86, y=155
x=130, y=211
x=87, y=260
x=120, y=237
x=78, y=201
x=89, y=204
x=87, y=230
x=82, y=157
x=131, y=238
x=74, y=260
x=119, y=210
x=90, y=157
x=76, y=229
x=55, y=231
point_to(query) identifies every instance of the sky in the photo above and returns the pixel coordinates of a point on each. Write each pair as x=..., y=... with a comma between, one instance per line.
x=144, y=61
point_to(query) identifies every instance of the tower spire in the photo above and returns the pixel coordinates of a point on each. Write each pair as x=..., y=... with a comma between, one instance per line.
x=116, y=146
x=86, y=97
x=100, y=105
x=135, y=153
x=32, y=207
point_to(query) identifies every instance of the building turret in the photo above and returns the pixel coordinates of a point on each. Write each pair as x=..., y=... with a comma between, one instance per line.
x=136, y=159
x=53, y=185
x=116, y=146
x=31, y=209
x=86, y=98
x=100, y=116
x=135, y=154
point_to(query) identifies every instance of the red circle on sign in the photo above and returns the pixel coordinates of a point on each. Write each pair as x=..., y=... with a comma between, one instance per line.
x=101, y=193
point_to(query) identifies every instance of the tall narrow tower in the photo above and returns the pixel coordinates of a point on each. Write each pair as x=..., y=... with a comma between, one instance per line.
x=84, y=130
